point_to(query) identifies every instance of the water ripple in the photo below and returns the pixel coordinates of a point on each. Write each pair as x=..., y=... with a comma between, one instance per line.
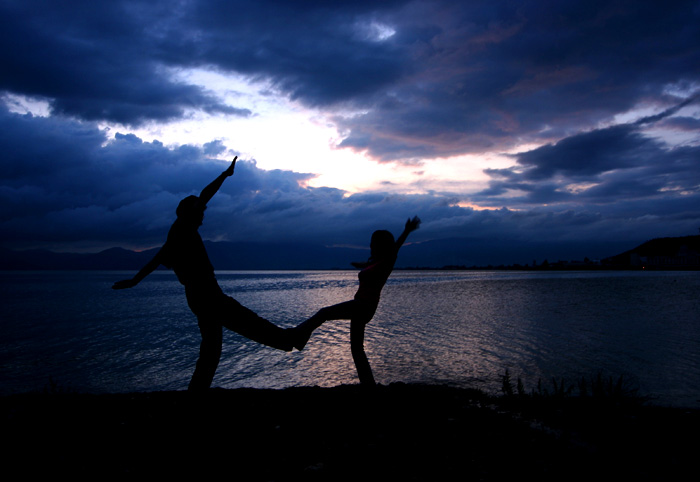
x=460, y=328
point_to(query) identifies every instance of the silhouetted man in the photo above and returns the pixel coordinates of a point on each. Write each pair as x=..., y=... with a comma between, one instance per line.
x=184, y=252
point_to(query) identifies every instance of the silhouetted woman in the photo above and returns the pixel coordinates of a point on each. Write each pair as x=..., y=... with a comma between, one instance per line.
x=360, y=310
x=184, y=252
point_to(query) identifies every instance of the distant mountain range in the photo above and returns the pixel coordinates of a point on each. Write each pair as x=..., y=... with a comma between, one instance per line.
x=224, y=255
x=661, y=253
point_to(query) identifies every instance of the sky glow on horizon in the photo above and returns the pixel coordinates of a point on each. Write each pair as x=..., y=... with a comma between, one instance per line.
x=285, y=135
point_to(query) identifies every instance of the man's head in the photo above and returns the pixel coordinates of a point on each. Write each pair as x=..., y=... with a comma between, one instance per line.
x=190, y=210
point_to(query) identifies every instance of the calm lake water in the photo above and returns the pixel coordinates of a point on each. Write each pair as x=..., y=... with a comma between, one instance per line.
x=71, y=331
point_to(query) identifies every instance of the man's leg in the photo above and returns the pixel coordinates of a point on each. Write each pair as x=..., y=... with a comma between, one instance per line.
x=246, y=322
x=209, y=355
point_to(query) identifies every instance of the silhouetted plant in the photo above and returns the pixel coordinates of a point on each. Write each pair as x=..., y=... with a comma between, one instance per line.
x=506, y=384
x=583, y=387
x=53, y=388
x=608, y=388
x=561, y=389
x=598, y=388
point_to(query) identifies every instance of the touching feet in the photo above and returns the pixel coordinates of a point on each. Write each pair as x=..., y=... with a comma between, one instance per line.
x=299, y=336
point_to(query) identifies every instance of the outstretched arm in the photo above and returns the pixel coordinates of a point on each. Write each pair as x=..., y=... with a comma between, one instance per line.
x=411, y=225
x=145, y=271
x=209, y=191
x=360, y=264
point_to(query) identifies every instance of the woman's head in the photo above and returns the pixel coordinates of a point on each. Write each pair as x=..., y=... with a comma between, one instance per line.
x=381, y=244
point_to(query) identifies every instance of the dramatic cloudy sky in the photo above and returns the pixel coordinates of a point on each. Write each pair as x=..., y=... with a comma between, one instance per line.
x=495, y=121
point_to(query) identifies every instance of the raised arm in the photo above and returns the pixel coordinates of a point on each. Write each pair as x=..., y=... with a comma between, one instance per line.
x=411, y=225
x=145, y=271
x=209, y=191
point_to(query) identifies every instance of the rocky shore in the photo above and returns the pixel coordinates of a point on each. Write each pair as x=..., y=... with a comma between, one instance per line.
x=396, y=432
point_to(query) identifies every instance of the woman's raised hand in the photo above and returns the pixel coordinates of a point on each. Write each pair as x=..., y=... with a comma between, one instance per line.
x=412, y=224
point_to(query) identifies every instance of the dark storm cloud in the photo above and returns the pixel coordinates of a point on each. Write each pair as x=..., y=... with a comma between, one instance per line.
x=603, y=166
x=489, y=76
x=96, y=60
x=109, y=60
x=605, y=183
x=683, y=124
x=432, y=78
x=585, y=156
x=317, y=52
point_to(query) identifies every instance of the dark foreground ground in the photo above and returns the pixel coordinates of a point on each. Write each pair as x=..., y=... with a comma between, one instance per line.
x=398, y=432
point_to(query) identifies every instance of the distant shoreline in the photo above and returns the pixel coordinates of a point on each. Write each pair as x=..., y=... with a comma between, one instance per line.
x=404, y=268
x=551, y=267
x=679, y=253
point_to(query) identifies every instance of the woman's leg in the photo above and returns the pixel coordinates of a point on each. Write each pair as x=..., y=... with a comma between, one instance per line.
x=357, y=339
x=209, y=355
x=341, y=311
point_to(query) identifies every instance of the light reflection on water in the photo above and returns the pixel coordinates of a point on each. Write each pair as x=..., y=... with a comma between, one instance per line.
x=459, y=328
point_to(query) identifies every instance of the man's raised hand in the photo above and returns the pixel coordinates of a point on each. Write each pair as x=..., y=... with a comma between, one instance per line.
x=229, y=171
